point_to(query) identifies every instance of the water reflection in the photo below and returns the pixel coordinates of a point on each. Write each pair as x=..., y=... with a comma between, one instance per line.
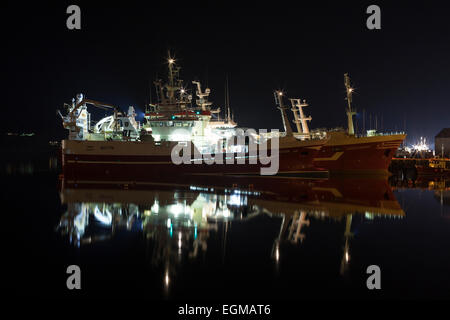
x=92, y=211
x=439, y=186
x=29, y=166
x=177, y=219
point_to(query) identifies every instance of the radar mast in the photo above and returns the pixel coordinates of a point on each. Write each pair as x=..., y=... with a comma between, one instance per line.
x=279, y=102
x=350, y=111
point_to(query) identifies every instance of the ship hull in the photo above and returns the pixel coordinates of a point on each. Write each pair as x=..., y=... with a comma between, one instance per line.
x=141, y=161
x=344, y=154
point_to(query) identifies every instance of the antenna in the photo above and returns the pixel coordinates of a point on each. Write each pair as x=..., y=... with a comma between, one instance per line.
x=150, y=90
x=404, y=122
x=364, y=121
x=227, y=100
x=171, y=62
x=226, y=97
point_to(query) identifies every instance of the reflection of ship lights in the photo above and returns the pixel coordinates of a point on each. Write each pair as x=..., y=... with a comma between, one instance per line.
x=369, y=216
x=105, y=218
x=277, y=254
x=155, y=207
x=177, y=209
x=80, y=223
x=347, y=256
x=235, y=200
x=166, y=279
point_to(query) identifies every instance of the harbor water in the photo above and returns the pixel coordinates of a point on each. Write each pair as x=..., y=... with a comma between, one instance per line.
x=191, y=240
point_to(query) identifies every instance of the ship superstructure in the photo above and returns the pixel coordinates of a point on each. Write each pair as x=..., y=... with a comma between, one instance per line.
x=118, y=126
x=177, y=116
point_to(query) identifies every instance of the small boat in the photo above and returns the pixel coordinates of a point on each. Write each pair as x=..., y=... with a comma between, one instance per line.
x=437, y=167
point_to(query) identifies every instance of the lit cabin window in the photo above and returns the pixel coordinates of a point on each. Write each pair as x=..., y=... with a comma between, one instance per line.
x=177, y=124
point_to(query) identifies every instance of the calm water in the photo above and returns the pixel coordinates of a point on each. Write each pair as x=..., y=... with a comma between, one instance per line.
x=242, y=239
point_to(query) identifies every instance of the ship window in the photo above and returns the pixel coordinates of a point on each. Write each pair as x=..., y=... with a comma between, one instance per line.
x=161, y=124
x=177, y=124
x=169, y=124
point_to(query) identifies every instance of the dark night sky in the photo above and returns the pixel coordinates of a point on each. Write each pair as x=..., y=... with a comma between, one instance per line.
x=401, y=72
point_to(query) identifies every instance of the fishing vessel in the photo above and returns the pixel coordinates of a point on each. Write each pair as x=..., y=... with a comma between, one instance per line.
x=345, y=151
x=118, y=147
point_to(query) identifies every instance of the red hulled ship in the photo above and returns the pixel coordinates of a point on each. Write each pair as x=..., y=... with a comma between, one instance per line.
x=346, y=152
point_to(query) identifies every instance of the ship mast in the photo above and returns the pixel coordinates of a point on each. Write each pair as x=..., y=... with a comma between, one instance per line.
x=299, y=118
x=174, y=83
x=279, y=102
x=350, y=111
x=227, y=102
